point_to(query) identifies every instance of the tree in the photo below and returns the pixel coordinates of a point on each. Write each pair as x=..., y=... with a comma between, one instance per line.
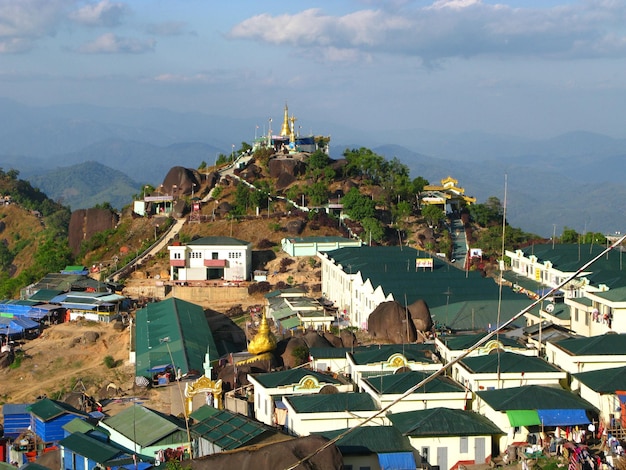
x=402, y=211
x=433, y=215
x=373, y=229
x=488, y=213
x=318, y=193
x=357, y=205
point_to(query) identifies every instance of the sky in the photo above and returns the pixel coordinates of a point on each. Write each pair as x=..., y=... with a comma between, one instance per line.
x=530, y=68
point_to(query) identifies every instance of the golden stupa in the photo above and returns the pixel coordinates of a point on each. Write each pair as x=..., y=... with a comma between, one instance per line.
x=264, y=342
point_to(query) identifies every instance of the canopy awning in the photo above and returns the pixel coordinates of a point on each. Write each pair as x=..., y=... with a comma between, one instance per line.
x=397, y=461
x=523, y=417
x=563, y=417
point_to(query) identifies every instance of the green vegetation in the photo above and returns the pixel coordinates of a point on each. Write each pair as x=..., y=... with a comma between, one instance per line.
x=50, y=244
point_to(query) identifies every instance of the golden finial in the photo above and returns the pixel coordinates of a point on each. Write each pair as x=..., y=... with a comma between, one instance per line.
x=285, y=131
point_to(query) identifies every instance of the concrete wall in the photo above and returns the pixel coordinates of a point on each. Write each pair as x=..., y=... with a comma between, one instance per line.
x=195, y=294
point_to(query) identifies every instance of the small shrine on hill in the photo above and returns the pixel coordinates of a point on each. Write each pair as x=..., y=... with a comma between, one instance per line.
x=447, y=195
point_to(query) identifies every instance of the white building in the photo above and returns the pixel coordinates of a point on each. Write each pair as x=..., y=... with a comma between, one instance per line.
x=271, y=387
x=219, y=258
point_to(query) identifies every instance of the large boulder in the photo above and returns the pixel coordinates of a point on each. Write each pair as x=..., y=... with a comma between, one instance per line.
x=348, y=338
x=314, y=340
x=388, y=322
x=180, y=181
x=296, y=351
x=291, y=166
x=420, y=315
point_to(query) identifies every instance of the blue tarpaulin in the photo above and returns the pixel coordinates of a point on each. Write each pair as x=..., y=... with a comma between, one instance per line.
x=397, y=461
x=563, y=417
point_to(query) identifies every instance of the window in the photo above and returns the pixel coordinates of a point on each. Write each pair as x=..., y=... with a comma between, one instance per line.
x=214, y=255
x=464, y=444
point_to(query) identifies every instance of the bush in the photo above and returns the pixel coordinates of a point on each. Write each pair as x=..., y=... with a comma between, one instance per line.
x=110, y=362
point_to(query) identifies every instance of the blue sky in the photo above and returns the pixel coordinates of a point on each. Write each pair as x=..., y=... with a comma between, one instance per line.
x=529, y=68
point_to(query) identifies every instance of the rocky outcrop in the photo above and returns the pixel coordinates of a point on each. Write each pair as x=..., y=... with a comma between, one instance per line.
x=85, y=223
x=291, y=166
x=388, y=322
x=180, y=181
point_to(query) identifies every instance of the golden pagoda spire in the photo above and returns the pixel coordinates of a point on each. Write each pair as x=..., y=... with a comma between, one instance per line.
x=285, y=130
x=264, y=341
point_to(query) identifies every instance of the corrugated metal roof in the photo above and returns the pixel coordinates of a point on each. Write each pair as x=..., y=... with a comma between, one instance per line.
x=532, y=397
x=508, y=362
x=606, y=381
x=228, y=430
x=46, y=409
x=400, y=383
x=45, y=295
x=370, y=440
x=381, y=353
x=291, y=377
x=463, y=342
x=291, y=322
x=91, y=448
x=443, y=422
x=185, y=324
x=218, y=241
x=143, y=425
x=606, y=345
x=328, y=403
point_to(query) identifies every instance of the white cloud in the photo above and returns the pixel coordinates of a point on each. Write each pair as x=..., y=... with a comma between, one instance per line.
x=450, y=28
x=110, y=43
x=103, y=13
x=25, y=21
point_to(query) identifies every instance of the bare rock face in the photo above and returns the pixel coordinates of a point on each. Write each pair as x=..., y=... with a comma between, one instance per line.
x=314, y=340
x=293, y=349
x=348, y=338
x=91, y=336
x=295, y=227
x=291, y=166
x=84, y=223
x=180, y=181
x=420, y=314
x=6, y=359
x=388, y=322
x=334, y=341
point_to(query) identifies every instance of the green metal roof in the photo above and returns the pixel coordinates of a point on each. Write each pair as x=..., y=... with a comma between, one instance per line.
x=400, y=383
x=370, y=440
x=605, y=380
x=522, y=281
x=507, y=363
x=443, y=422
x=568, y=258
x=291, y=377
x=333, y=353
x=90, y=447
x=381, y=353
x=532, y=397
x=44, y=295
x=613, y=295
x=603, y=345
x=282, y=313
x=393, y=268
x=190, y=337
x=328, y=403
x=463, y=342
x=218, y=241
x=291, y=322
x=226, y=429
x=46, y=409
x=586, y=301
x=329, y=239
x=143, y=425
x=81, y=425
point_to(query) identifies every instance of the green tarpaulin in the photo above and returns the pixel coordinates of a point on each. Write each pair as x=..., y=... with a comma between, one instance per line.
x=523, y=417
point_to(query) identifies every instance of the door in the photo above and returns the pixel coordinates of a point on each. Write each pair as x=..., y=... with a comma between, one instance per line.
x=479, y=449
x=442, y=458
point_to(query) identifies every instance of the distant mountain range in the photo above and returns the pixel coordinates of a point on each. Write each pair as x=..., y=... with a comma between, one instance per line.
x=84, y=155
